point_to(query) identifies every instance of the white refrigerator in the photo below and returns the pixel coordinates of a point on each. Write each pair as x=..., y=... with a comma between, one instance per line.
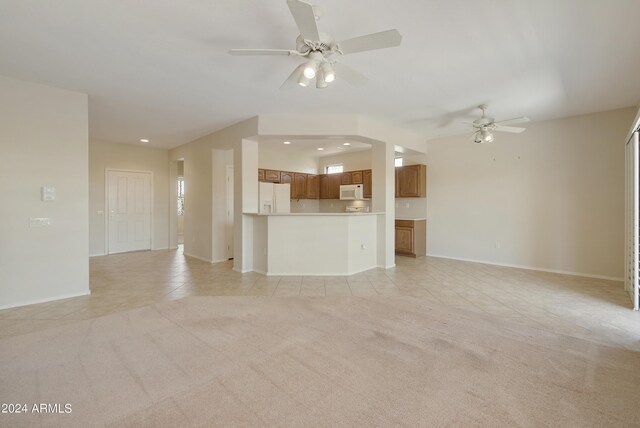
x=274, y=198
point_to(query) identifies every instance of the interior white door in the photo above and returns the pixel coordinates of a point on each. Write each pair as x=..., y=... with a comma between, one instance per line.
x=632, y=224
x=229, y=222
x=129, y=208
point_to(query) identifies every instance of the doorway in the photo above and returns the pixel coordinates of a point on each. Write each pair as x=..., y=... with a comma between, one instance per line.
x=632, y=223
x=229, y=221
x=180, y=201
x=129, y=207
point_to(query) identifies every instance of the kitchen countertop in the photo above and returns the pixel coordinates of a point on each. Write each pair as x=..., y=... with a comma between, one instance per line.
x=410, y=218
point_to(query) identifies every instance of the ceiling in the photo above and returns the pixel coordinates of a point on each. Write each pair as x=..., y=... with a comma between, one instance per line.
x=309, y=147
x=159, y=69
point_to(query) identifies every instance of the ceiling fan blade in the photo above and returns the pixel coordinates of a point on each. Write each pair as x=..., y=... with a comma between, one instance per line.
x=513, y=129
x=285, y=52
x=513, y=121
x=384, y=39
x=348, y=74
x=292, y=80
x=305, y=19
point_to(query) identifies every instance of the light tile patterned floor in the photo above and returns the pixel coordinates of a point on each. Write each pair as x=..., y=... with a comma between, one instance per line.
x=581, y=307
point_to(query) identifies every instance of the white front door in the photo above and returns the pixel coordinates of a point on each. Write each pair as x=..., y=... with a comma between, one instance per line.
x=129, y=208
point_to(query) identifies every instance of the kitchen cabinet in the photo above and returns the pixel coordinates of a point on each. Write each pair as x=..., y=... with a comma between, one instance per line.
x=299, y=187
x=287, y=177
x=321, y=186
x=411, y=237
x=367, y=183
x=271, y=175
x=330, y=186
x=411, y=181
x=313, y=186
x=346, y=178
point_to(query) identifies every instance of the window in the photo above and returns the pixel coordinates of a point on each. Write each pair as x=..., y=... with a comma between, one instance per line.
x=333, y=169
x=180, y=195
x=398, y=161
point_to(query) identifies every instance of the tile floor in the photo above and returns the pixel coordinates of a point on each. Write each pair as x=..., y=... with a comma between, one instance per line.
x=582, y=307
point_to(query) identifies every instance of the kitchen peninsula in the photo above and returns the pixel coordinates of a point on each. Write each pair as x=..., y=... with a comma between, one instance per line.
x=315, y=243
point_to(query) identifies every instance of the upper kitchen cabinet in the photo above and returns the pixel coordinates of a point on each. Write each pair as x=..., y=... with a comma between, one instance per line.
x=299, y=187
x=270, y=175
x=313, y=186
x=366, y=181
x=330, y=186
x=356, y=177
x=411, y=181
x=346, y=178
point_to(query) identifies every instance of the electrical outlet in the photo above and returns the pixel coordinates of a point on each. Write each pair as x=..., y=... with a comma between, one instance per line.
x=407, y=205
x=497, y=244
x=363, y=247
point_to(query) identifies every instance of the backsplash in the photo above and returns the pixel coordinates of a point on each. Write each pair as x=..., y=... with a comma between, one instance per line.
x=338, y=206
x=411, y=207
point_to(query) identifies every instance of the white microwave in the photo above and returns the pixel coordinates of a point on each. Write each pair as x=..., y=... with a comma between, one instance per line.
x=351, y=192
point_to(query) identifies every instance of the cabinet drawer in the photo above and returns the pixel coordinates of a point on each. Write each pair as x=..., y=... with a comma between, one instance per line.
x=405, y=223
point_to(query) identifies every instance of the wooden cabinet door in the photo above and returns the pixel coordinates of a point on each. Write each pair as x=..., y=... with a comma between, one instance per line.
x=299, y=185
x=325, y=188
x=356, y=177
x=404, y=240
x=271, y=176
x=334, y=185
x=313, y=186
x=412, y=181
x=366, y=180
x=346, y=178
x=287, y=177
x=260, y=174
x=398, y=169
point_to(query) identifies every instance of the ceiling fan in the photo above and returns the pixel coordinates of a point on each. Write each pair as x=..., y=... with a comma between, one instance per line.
x=322, y=51
x=485, y=126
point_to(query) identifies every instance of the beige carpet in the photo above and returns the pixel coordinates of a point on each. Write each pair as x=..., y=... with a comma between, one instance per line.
x=250, y=361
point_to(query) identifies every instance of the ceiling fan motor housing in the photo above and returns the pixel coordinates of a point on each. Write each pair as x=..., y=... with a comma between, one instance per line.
x=325, y=44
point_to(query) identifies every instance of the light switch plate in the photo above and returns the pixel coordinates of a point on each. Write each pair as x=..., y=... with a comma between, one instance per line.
x=40, y=221
x=48, y=193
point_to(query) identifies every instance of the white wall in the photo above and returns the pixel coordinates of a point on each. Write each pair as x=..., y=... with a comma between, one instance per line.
x=355, y=161
x=43, y=141
x=279, y=158
x=550, y=198
x=103, y=155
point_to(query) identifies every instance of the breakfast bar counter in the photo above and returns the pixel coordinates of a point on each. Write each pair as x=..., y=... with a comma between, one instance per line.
x=314, y=243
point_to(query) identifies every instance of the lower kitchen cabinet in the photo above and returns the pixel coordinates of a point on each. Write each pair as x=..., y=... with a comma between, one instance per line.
x=411, y=237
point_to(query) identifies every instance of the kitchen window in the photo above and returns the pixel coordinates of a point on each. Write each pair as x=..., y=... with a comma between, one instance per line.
x=333, y=169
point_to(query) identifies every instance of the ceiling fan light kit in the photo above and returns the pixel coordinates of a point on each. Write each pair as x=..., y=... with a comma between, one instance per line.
x=322, y=51
x=485, y=126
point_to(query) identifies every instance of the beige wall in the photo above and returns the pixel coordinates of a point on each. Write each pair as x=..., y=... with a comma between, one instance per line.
x=102, y=156
x=43, y=142
x=352, y=161
x=286, y=160
x=550, y=198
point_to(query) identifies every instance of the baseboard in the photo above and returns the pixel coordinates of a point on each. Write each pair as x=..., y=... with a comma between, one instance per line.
x=386, y=267
x=50, y=299
x=159, y=248
x=562, y=272
x=197, y=257
x=355, y=272
x=97, y=255
x=242, y=271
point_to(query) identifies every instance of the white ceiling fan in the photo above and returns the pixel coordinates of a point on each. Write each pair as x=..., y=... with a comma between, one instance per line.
x=485, y=126
x=322, y=51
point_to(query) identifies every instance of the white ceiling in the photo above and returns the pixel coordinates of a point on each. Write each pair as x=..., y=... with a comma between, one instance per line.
x=309, y=147
x=159, y=69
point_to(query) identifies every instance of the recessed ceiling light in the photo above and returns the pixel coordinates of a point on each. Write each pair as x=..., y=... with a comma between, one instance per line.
x=287, y=142
x=144, y=140
x=320, y=148
x=346, y=144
